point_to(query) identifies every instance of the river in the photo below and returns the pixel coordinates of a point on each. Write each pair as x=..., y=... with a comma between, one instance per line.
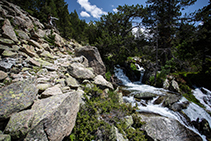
x=193, y=111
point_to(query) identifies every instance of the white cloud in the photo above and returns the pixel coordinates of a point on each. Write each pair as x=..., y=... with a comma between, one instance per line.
x=84, y=14
x=115, y=10
x=92, y=9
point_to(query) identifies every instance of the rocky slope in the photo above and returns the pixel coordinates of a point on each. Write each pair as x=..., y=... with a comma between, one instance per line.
x=40, y=77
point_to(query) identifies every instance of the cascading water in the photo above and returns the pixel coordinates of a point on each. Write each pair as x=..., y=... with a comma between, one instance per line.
x=142, y=70
x=193, y=111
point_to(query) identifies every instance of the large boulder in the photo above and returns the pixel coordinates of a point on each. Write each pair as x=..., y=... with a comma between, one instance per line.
x=94, y=58
x=54, y=117
x=16, y=97
x=166, y=129
x=78, y=70
x=51, y=119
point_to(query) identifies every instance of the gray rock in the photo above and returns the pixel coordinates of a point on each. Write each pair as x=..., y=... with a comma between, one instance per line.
x=72, y=82
x=22, y=34
x=23, y=22
x=180, y=106
x=78, y=70
x=9, y=31
x=100, y=81
x=8, y=53
x=7, y=41
x=19, y=124
x=166, y=129
x=54, y=117
x=145, y=95
x=3, y=75
x=94, y=58
x=55, y=90
x=7, y=63
x=35, y=44
x=16, y=97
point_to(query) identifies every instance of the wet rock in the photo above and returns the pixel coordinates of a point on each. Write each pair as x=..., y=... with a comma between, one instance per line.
x=171, y=99
x=16, y=97
x=179, y=106
x=100, y=81
x=9, y=31
x=94, y=58
x=203, y=127
x=162, y=128
x=145, y=95
x=3, y=75
x=78, y=70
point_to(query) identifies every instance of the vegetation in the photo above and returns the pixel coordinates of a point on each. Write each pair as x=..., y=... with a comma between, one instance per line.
x=100, y=113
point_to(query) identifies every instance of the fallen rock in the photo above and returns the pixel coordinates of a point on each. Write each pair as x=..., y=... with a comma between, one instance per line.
x=100, y=81
x=55, y=90
x=54, y=117
x=3, y=75
x=19, y=124
x=7, y=41
x=16, y=97
x=78, y=70
x=72, y=82
x=162, y=128
x=9, y=30
x=23, y=35
x=94, y=58
x=145, y=95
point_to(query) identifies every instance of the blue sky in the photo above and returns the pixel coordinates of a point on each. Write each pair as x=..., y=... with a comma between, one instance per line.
x=93, y=9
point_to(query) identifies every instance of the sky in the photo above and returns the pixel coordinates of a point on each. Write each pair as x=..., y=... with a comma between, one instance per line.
x=92, y=10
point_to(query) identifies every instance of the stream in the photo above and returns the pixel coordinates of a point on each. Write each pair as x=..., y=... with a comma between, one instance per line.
x=191, y=113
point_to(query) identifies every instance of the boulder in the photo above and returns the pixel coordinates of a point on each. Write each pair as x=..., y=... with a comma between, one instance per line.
x=9, y=31
x=3, y=75
x=23, y=22
x=179, y=106
x=100, y=81
x=19, y=124
x=72, y=82
x=7, y=41
x=94, y=58
x=54, y=117
x=55, y=90
x=9, y=53
x=7, y=63
x=163, y=128
x=23, y=35
x=16, y=97
x=78, y=70
x=145, y=95
x=58, y=40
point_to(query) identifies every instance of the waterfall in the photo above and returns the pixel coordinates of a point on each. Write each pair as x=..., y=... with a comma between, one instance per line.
x=142, y=70
x=193, y=111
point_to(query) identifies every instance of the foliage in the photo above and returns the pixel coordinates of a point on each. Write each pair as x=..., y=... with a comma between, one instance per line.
x=99, y=114
x=133, y=67
x=50, y=38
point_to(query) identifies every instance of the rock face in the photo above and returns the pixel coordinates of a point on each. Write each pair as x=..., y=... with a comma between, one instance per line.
x=16, y=97
x=94, y=58
x=165, y=129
